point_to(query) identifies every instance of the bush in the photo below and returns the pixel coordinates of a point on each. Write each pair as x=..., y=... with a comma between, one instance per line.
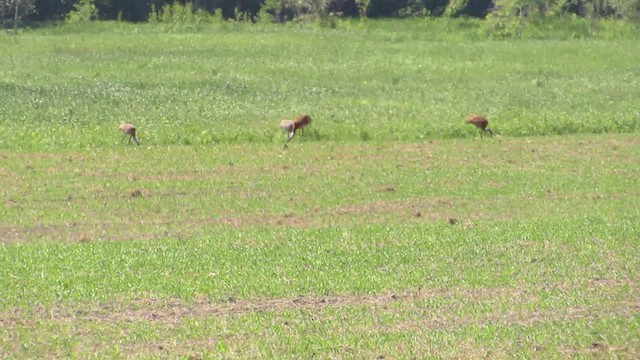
x=627, y=9
x=83, y=11
x=178, y=14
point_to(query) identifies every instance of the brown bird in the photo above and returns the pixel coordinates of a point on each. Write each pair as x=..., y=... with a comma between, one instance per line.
x=130, y=130
x=291, y=126
x=481, y=123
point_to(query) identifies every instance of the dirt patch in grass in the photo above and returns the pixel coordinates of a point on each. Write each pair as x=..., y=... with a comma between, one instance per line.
x=413, y=311
x=597, y=349
x=75, y=231
x=172, y=310
x=456, y=211
x=403, y=211
x=175, y=209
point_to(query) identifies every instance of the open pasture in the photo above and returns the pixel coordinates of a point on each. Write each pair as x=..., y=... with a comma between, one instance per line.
x=454, y=248
x=65, y=89
x=386, y=233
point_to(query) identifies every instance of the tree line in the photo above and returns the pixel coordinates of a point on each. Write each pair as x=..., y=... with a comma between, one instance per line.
x=288, y=10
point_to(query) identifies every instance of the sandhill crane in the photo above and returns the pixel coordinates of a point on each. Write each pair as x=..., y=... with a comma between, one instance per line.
x=128, y=129
x=480, y=122
x=291, y=126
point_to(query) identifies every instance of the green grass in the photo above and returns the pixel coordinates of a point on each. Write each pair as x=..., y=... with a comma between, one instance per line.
x=366, y=81
x=386, y=233
x=130, y=192
x=359, y=260
x=511, y=288
x=253, y=251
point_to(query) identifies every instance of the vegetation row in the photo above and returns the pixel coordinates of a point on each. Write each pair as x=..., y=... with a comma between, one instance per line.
x=496, y=11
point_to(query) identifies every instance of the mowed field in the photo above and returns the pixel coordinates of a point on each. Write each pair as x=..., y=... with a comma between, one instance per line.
x=387, y=232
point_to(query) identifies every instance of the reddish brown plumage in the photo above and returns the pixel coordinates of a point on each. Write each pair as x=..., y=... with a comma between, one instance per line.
x=480, y=122
x=291, y=126
x=301, y=121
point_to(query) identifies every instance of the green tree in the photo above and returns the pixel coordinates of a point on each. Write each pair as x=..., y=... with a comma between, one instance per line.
x=83, y=11
x=627, y=9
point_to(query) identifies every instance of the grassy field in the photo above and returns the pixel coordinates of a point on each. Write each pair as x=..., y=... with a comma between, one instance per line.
x=69, y=90
x=386, y=233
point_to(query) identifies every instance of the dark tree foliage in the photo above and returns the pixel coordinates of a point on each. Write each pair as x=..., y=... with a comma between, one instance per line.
x=477, y=8
x=286, y=10
x=248, y=9
x=129, y=10
x=228, y=8
x=585, y=8
x=206, y=5
x=350, y=8
x=51, y=9
x=385, y=8
x=436, y=7
x=347, y=8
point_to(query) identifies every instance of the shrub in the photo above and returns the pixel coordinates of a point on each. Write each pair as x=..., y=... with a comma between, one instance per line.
x=83, y=11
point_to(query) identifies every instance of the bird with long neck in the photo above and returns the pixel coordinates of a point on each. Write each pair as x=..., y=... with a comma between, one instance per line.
x=128, y=130
x=481, y=123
